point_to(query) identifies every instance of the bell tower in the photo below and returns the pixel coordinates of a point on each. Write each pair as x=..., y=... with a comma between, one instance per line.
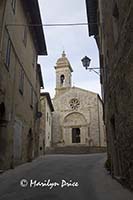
x=63, y=75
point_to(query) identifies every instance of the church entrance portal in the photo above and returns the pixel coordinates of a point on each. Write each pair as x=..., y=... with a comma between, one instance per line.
x=74, y=129
x=76, y=135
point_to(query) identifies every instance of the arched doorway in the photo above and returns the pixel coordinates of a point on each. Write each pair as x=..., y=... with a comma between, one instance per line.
x=75, y=135
x=74, y=129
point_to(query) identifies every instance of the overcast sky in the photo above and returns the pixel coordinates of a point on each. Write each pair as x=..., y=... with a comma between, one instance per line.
x=74, y=40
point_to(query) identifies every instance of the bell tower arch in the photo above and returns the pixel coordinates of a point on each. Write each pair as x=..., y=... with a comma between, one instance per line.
x=63, y=74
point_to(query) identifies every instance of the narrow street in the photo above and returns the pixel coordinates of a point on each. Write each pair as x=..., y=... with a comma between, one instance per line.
x=88, y=170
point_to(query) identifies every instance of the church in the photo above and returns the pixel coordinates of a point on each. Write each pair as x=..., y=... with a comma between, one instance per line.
x=78, y=113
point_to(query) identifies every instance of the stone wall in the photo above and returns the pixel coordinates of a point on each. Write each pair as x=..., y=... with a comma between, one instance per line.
x=18, y=132
x=115, y=39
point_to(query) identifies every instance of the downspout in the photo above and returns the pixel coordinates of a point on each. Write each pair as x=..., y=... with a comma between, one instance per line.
x=99, y=122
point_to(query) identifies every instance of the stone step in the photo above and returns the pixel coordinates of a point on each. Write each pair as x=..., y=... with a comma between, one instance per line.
x=75, y=150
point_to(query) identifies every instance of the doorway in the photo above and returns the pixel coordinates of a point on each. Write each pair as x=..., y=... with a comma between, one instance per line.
x=75, y=135
x=29, y=145
x=17, y=141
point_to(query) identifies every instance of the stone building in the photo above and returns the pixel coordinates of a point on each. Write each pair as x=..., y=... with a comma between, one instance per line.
x=77, y=119
x=111, y=24
x=45, y=137
x=20, y=80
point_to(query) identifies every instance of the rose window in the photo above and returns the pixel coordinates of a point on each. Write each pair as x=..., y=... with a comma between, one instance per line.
x=74, y=104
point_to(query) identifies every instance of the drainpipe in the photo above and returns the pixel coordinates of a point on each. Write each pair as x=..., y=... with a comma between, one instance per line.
x=99, y=122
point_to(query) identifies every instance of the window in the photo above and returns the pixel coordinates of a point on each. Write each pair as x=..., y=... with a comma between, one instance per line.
x=36, y=73
x=31, y=97
x=62, y=78
x=115, y=15
x=2, y=110
x=49, y=121
x=8, y=52
x=13, y=3
x=21, y=81
x=34, y=61
x=115, y=11
x=113, y=125
x=74, y=104
x=47, y=117
x=88, y=131
x=25, y=35
x=36, y=108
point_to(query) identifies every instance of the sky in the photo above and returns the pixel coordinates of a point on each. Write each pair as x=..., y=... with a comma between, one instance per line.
x=74, y=40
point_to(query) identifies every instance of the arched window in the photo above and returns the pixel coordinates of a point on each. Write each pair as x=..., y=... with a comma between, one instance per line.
x=62, y=78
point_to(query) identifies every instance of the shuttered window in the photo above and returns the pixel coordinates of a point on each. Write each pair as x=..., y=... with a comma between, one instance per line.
x=13, y=4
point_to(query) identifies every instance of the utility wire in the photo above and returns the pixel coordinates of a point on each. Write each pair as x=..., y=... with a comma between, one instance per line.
x=60, y=24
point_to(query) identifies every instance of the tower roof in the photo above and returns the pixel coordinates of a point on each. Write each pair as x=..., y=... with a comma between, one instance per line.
x=63, y=62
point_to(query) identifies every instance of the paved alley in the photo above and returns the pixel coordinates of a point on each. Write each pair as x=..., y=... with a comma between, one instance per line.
x=62, y=177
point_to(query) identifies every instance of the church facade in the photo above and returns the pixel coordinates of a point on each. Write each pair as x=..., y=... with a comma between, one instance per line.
x=78, y=113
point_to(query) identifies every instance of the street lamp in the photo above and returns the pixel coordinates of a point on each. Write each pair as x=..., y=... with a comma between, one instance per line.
x=86, y=63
